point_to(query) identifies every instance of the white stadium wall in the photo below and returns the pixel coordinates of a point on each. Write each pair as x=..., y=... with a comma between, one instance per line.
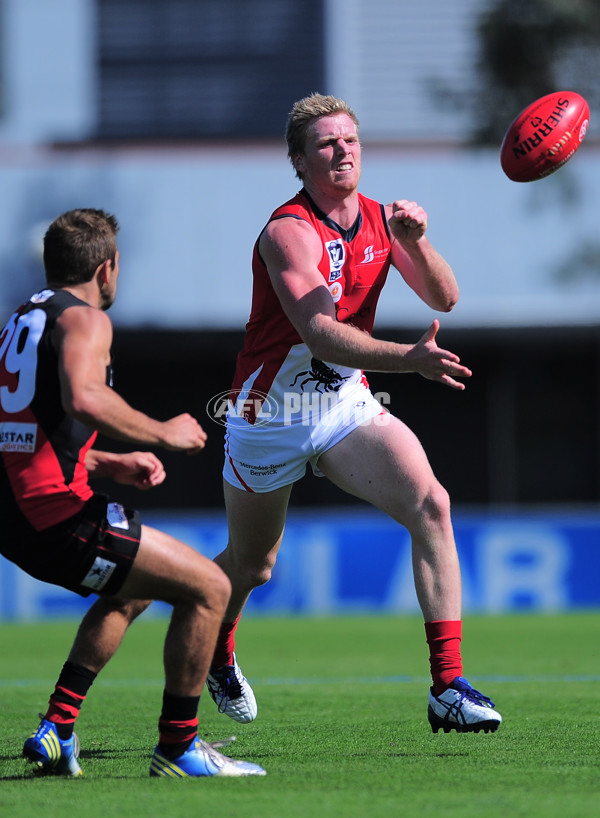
x=189, y=218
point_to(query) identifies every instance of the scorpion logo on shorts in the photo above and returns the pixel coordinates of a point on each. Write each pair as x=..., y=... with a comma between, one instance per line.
x=322, y=375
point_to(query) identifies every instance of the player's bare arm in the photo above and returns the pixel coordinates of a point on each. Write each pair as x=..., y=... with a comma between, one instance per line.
x=292, y=251
x=83, y=342
x=140, y=469
x=422, y=267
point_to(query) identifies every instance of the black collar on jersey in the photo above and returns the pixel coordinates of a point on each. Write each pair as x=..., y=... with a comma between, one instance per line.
x=348, y=234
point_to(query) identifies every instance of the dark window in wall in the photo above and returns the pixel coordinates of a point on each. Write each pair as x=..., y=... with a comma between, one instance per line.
x=519, y=435
x=209, y=69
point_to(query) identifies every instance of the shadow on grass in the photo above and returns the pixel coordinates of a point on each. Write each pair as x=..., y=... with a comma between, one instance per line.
x=30, y=773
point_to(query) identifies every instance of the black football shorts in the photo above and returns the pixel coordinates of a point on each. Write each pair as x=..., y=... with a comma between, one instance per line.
x=89, y=553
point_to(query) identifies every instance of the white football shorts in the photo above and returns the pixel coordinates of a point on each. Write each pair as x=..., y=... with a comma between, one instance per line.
x=265, y=457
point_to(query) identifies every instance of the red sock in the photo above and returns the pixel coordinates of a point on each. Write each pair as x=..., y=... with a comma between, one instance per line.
x=225, y=644
x=443, y=638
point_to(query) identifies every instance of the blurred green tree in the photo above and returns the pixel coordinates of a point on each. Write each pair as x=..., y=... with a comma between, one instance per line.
x=529, y=48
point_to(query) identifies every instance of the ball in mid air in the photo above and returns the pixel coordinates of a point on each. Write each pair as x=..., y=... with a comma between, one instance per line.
x=544, y=136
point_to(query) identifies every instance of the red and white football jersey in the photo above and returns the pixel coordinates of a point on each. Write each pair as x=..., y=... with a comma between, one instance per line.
x=274, y=360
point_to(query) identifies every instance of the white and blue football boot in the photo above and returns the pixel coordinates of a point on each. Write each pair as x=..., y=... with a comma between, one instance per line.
x=51, y=754
x=462, y=708
x=201, y=760
x=231, y=692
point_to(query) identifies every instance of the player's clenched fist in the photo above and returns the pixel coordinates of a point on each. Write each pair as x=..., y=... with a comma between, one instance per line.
x=408, y=221
x=184, y=433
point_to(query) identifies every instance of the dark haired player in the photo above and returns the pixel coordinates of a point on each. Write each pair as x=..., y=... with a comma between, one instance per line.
x=55, y=395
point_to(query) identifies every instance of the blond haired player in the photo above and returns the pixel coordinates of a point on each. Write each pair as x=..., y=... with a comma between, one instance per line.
x=318, y=269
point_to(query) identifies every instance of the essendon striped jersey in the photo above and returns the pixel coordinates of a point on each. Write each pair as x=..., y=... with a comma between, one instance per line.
x=43, y=478
x=274, y=360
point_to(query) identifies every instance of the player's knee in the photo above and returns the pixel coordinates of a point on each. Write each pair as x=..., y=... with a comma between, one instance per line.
x=258, y=574
x=130, y=609
x=216, y=589
x=435, y=507
x=263, y=576
x=246, y=571
x=430, y=512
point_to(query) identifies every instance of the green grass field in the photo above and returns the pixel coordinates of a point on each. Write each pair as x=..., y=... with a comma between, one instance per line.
x=342, y=727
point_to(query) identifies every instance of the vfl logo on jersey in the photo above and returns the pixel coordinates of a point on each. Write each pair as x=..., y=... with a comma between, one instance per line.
x=337, y=257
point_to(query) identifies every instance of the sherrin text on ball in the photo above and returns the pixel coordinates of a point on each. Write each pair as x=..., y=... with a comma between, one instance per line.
x=544, y=136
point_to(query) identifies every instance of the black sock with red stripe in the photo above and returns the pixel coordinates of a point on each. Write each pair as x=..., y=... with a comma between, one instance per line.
x=70, y=691
x=178, y=724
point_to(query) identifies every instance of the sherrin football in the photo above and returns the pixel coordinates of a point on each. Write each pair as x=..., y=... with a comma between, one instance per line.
x=544, y=136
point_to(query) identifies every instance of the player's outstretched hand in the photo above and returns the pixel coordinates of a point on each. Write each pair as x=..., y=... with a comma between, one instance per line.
x=140, y=469
x=184, y=433
x=434, y=363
